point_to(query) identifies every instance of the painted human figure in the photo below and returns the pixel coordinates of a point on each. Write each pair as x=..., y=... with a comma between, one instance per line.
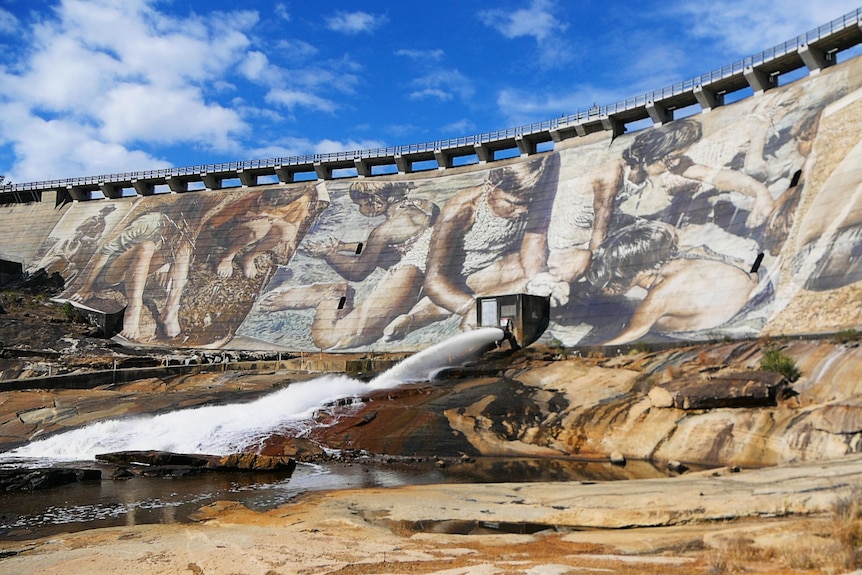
x=683, y=290
x=399, y=245
x=492, y=238
x=678, y=292
x=161, y=244
x=152, y=243
x=258, y=223
x=65, y=256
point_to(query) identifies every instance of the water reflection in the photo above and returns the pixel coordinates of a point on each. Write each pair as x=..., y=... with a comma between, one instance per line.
x=143, y=500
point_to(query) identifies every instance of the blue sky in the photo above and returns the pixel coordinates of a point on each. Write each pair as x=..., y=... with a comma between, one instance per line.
x=92, y=87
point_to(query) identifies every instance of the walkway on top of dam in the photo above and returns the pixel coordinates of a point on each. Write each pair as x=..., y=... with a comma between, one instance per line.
x=814, y=50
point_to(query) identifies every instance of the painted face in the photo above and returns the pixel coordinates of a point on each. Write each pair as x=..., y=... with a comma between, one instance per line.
x=642, y=171
x=371, y=205
x=507, y=205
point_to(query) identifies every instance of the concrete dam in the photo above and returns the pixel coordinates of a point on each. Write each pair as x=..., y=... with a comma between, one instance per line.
x=744, y=221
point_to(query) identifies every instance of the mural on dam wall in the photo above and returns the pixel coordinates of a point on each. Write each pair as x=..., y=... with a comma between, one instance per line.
x=739, y=222
x=185, y=267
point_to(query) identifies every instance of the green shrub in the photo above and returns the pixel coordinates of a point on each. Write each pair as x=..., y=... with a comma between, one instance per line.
x=642, y=347
x=846, y=336
x=776, y=360
x=71, y=314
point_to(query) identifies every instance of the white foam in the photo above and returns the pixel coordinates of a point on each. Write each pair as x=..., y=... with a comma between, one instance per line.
x=224, y=429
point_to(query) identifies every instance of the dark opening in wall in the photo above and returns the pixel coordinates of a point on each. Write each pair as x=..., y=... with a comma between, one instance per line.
x=796, y=177
x=9, y=267
x=756, y=265
x=359, y=248
x=341, y=302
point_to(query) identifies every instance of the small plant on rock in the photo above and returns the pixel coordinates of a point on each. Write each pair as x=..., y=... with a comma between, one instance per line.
x=71, y=314
x=776, y=360
x=846, y=336
x=641, y=347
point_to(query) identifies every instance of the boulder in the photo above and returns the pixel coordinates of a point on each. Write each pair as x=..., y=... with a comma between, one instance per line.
x=727, y=389
x=169, y=464
x=156, y=458
x=298, y=448
x=253, y=462
x=44, y=478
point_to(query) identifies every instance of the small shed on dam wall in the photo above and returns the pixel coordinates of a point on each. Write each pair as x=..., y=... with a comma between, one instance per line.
x=521, y=316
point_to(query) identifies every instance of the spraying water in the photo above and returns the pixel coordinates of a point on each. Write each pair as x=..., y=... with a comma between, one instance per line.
x=450, y=353
x=225, y=429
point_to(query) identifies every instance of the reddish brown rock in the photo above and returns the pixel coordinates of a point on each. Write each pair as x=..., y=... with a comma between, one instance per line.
x=253, y=462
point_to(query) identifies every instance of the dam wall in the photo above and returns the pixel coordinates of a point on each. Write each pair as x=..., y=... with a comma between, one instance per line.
x=742, y=221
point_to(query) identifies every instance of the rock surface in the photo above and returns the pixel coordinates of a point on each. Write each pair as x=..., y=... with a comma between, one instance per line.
x=783, y=519
x=778, y=520
x=167, y=460
x=44, y=478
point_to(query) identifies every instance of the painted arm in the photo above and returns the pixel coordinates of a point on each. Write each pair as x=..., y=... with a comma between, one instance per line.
x=732, y=181
x=444, y=283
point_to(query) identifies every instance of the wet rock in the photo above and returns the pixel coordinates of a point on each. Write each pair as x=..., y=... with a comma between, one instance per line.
x=367, y=418
x=122, y=473
x=298, y=448
x=170, y=471
x=156, y=458
x=253, y=462
x=169, y=464
x=44, y=478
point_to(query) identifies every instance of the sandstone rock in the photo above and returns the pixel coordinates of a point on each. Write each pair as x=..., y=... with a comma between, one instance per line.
x=46, y=415
x=254, y=462
x=841, y=419
x=298, y=448
x=660, y=397
x=729, y=389
x=617, y=458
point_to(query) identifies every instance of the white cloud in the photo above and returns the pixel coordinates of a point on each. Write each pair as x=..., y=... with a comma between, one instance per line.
x=327, y=146
x=421, y=54
x=537, y=21
x=101, y=78
x=460, y=127
x=254, y=65
x=296, y=49
x=133, y=112
x=733, y=23
x=294, y=98
x=282, y=12
x=290, y=146
x=8, y=22
x=442, y=85
x=62, y=149
x=524, y=107
x=354, y=22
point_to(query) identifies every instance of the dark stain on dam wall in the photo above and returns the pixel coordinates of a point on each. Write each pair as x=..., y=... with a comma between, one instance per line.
x=743, y=221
